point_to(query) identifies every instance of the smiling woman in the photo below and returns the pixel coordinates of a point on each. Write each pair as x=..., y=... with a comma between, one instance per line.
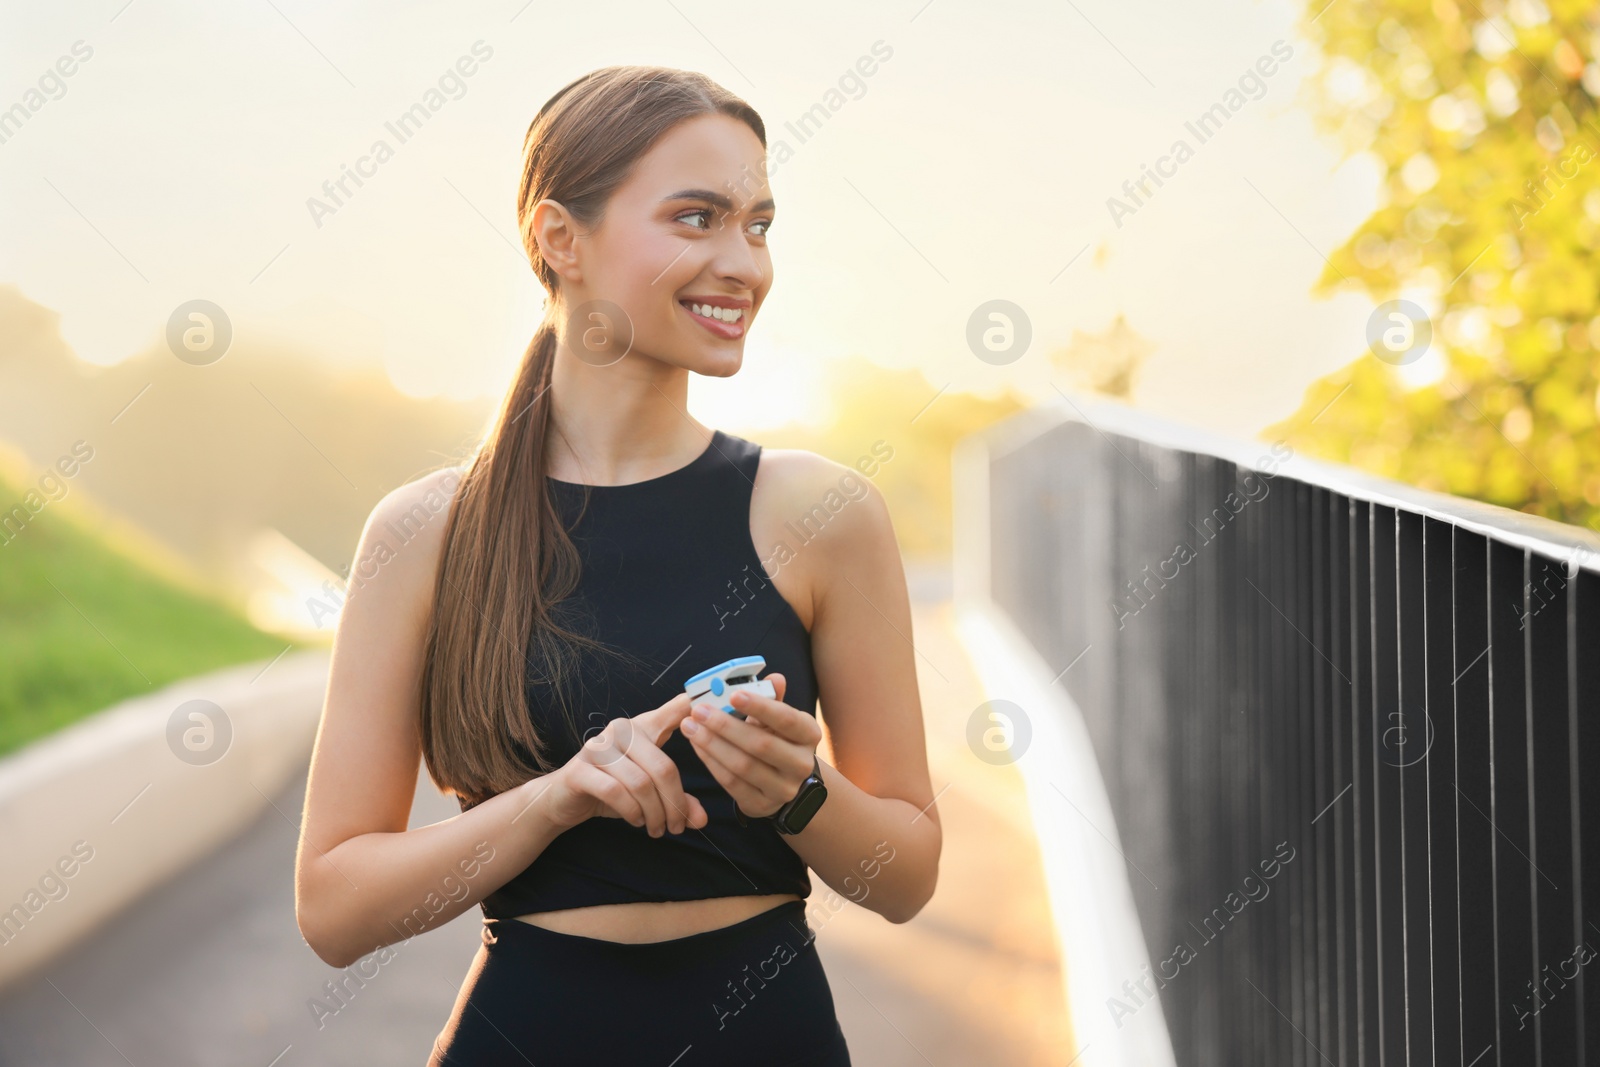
x=532, y=649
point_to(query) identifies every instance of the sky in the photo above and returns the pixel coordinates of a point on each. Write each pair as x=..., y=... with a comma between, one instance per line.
x=182, y=159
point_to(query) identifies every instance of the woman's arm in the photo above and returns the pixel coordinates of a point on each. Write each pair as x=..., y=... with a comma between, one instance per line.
x=362, y=880
x=877, y=838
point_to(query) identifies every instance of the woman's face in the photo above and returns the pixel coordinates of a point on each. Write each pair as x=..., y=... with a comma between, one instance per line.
x=686, y=230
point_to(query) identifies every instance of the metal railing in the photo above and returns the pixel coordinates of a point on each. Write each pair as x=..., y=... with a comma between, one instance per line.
x=1350, y=731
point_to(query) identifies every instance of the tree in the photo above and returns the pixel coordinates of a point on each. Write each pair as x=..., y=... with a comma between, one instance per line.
x=1105, y=363
x=1483, y=116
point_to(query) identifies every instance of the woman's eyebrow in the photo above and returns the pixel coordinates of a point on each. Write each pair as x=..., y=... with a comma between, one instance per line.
x=717, y=200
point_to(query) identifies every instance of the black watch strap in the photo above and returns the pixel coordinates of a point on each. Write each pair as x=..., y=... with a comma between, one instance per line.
x=793, y=816
x=805, y=797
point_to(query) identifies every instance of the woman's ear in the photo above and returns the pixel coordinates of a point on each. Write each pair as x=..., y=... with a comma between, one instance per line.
x=555, y=230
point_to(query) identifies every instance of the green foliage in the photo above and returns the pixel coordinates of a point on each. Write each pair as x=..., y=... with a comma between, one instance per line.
x=1484, y=116
x=82, y=627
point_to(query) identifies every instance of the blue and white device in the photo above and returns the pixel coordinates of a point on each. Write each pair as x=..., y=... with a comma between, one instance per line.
x=726, y=679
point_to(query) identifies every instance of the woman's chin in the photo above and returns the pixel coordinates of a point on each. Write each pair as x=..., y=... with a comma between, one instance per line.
x=717, y=363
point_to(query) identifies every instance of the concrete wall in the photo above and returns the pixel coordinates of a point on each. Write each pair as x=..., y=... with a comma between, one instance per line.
x=99, y=813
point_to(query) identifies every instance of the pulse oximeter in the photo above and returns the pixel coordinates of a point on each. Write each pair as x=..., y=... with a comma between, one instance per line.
x=725, y=679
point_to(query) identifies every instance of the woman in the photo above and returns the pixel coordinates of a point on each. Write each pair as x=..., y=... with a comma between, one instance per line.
x=526, y=625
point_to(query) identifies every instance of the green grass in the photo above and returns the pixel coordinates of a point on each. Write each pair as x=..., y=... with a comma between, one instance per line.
x=82, y=627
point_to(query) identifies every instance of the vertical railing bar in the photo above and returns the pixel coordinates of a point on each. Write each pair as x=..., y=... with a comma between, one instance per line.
x=1533, y=836
x=1305, y=734
x=1311, y=750
x=1282, y=730
x=1272, y=729
x=1304, y=794
x=1400, y=777
x=1291, y=742
x=1268, y=667
x=1428, y=797
x=1261, y=631
x=1341, y=963
x=1573, y=790
x=1272, y=752
x=1494, y=843
x=1455, y=774
x=1319, y=786
x=1356, y=794
x=1338, y=763
x=1377, y=823
x=1249, y=568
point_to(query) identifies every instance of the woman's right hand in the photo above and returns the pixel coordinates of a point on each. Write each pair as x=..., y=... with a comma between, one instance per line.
x=621, y=773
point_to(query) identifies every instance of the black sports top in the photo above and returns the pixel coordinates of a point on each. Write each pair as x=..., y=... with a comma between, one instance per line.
x=671, y=575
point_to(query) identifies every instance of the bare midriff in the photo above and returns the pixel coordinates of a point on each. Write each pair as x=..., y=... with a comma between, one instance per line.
x=637, y=922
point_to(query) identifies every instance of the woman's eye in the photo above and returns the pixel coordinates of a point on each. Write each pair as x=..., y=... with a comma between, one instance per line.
x=688, y=217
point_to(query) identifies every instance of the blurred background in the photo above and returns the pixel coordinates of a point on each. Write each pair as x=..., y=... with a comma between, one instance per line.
x=1360, y=228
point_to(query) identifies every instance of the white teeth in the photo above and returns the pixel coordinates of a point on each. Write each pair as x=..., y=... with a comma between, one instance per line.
x=721, y=314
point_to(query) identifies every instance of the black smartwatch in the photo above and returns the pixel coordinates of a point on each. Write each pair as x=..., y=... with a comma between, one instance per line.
x=793, y=816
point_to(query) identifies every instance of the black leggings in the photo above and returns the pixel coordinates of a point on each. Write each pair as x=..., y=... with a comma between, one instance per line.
x=750, y=993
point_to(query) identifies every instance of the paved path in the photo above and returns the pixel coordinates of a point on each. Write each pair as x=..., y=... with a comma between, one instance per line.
x=210, y=969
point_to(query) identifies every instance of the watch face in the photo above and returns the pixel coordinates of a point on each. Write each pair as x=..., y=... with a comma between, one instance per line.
x=806, y=806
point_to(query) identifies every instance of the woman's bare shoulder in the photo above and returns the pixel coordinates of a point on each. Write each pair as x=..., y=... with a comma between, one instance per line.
x=800, y=481
x=422, y=498
x=811, y=509
x=403, y=539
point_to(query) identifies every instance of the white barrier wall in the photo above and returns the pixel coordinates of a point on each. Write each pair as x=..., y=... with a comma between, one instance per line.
x=97, y=814
x=1101, y=943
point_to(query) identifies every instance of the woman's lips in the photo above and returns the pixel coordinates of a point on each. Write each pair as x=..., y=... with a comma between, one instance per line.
x=728, y=331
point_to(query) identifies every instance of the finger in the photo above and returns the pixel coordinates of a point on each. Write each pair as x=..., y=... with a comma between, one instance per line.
x=690, y=811
x=669, y=785
x=747, y=796
x=643, y=787
x=611, y=743
x=696, y=816
x=618, y=803
x=657, y=724
x=612, y=793
x=668, y=794
x=757, y=772
x=693, y=811
x=788, y=758
x=788, y=722
x=609, y=752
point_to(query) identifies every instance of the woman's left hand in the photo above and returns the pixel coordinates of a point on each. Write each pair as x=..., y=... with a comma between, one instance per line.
x=763, y=760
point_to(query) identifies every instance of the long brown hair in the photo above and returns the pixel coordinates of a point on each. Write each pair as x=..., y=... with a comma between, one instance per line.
x=507, y=560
